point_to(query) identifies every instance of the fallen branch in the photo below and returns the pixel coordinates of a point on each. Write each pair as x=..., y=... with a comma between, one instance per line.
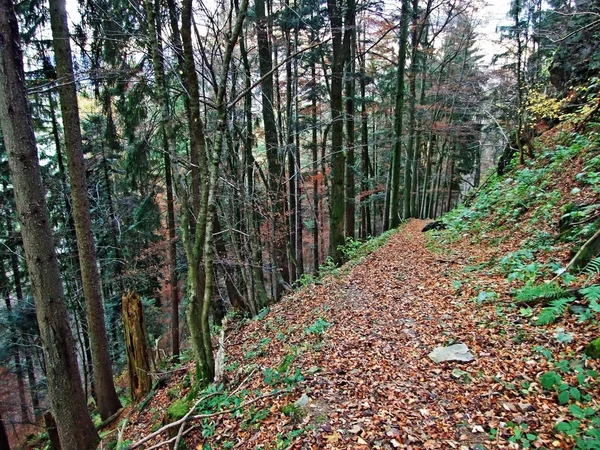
x=578, y=256
x=172, y=424
x=110, y=420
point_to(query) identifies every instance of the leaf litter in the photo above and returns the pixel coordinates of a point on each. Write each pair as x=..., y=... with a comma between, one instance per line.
x=360, y=341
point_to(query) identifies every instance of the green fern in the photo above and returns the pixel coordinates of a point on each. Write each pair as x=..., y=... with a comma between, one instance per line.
x=592, y=295
x=592, y=268
x=539, y=292
x=556, y=309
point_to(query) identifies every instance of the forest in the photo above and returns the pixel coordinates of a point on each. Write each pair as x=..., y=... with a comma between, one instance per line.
x=211, y=218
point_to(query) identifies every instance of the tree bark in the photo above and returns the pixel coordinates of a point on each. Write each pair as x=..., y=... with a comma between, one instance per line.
x=398, y=117
x=108, y=401
x=65, y=391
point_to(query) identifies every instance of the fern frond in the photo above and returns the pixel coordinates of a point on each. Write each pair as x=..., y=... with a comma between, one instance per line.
x=593, y=267
x=591, y=293
x=556, y=309
x=540, y=292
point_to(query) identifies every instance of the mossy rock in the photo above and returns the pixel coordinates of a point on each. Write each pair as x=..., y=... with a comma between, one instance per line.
x=593, y=349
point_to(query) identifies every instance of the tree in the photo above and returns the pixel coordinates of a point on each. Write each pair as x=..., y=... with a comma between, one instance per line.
x=66, y=396
x=275, y=174
x=394, y=217
x=342, y=30
x=106, y=395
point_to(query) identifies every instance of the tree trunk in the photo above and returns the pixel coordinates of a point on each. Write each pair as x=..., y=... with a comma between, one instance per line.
x=398, y=117
x=136, y=344
x=252, y=211
x=4, y=444
x=196, y=126
x=173, y=281
x=350, y=91
x=221, y=129
x=340, y=47
x=410, y=165
x=53, y=436
x=108, y=401
x=65, y=391
x=365, y=214
x=315, y=164
x=14, y=344
x=290, y=151
x=275, y=175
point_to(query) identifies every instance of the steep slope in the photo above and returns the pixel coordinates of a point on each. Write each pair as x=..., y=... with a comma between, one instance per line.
x=343, y=362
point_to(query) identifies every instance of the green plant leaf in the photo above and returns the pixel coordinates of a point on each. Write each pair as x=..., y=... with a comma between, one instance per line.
x=577, y=411
x=549, y=379
x=563, y=398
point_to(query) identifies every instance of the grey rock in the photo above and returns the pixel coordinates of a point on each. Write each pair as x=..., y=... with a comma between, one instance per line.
x=455, y=352
x=302, y=401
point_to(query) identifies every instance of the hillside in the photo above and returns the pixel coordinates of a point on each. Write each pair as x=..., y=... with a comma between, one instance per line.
x=343, y=362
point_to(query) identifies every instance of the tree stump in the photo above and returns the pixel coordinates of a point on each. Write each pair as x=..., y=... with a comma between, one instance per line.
x=136, y=343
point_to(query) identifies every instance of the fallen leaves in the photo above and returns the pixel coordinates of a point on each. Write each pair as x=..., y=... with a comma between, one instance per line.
x=367, y=377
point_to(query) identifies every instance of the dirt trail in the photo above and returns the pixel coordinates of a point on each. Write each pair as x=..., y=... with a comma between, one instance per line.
x=379, y=384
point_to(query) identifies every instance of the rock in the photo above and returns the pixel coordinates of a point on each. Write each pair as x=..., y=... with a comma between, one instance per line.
x=593, y=349
x=455, y=352
x=578, y=309
x=526, y=407
x=302, y=401
x=437, y=225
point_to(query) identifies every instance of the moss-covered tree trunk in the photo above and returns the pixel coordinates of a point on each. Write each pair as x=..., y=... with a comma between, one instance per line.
x=65, y=391
x=136, y=344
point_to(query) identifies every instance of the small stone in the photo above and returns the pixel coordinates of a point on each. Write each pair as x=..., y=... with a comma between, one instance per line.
x=526, y=407
x=302, y=401
x=455, y=352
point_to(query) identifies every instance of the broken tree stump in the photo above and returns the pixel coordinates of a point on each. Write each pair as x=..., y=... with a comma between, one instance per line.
x=136, y=343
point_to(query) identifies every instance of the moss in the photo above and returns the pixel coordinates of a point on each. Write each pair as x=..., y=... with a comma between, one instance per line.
x=593, y=349
x=178, y=409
